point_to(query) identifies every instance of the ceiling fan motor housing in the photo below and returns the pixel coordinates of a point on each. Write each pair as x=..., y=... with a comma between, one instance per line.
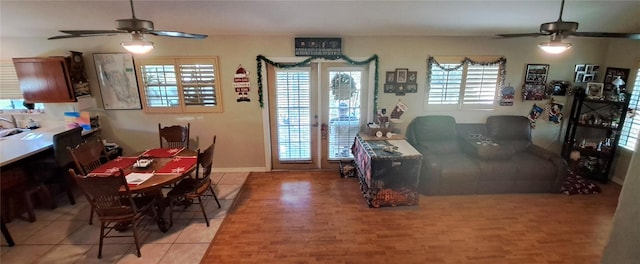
x=558, y=27
x=134, y=24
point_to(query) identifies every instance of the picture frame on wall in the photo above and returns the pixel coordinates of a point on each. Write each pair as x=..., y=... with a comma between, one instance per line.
x=588, y=78
x=412, y=77
x=117, y=79
x=412, y=88
x=579, y=68
x=613, y=73
x=536, y=73
x=559, y=87
x=594, y=90
x=579, y=77
x=390, y=88
x=401, y=75
x=390, y=77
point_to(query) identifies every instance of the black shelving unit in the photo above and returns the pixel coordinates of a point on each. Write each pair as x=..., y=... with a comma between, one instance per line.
x=593, y=130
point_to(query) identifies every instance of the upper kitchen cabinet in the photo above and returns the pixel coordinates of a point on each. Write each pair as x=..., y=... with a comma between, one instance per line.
x=52, y=79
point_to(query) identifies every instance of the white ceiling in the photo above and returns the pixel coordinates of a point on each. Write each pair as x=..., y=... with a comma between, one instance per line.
x=28, y=18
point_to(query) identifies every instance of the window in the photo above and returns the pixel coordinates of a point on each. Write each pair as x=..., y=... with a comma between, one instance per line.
x=10, y=93
x=178, y=85
x=631, y=126
x=464, y=84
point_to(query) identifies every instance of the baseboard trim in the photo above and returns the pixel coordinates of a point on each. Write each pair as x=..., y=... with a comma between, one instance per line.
x=617, y=180
x=243, y=169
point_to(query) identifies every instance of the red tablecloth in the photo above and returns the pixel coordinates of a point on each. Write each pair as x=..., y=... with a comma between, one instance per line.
x=178, y=165
x=114, y=165
x=161, y=152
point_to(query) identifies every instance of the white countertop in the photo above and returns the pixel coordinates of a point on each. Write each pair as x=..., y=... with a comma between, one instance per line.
x=25, y=144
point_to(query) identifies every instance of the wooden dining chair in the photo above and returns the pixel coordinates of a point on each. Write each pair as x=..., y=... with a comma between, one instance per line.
x=87, y=157
x=6, y=234
x=190, y=189
x=175, y=136
x=115, y=208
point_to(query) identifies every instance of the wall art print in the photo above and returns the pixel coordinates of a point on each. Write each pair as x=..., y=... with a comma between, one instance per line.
x=117, y=78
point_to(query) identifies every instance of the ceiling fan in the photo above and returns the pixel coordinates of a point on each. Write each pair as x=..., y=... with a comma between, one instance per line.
x=561, y=29
x=134, y=26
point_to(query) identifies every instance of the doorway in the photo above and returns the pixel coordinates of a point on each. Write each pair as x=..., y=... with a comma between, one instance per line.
x=314, y=114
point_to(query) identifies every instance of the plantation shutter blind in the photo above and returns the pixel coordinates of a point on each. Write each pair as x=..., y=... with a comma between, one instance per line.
x=198, y=84
x=480, y=85
x=445, y=86
x=9, y=85
x=631, y=126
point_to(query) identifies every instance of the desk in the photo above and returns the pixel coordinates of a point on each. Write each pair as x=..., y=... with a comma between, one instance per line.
x=17, y=147
x=387, y=179
x=153, y=186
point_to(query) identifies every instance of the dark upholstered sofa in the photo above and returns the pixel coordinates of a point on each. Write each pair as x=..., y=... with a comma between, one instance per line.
x=499, y=157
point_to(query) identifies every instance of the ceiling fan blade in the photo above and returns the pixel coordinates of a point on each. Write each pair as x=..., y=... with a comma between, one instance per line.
x=518, y=35
x=80, y=36
x=91, y=32
x=176, y=34
x=605, y=35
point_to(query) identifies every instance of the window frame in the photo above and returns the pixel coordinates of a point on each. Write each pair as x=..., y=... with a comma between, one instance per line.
x=464, y=62
x=632, y=123
x=181, y=107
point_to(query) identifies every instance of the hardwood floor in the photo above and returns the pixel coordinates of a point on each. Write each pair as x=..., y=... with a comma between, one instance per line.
x=318, y=217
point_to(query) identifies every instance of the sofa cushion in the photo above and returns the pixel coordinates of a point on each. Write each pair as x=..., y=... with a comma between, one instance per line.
x=440, y=147
x=516, y=146
x=485, y=151
x=505, y=127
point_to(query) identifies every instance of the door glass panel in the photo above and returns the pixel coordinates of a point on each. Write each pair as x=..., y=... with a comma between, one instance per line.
x=293, y=113
x=344, y=112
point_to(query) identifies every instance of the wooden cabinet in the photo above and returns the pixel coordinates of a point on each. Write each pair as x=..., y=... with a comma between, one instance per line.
x=45, y=80
x=592, y=135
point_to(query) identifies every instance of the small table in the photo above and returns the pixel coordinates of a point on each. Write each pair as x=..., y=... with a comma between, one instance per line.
x=387, y=177
x=153, y=186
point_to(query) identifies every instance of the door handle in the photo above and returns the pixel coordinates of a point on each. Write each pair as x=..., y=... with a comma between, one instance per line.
x=315, y=125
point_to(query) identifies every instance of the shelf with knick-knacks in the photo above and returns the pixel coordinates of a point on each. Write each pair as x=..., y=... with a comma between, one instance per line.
x=593, y=130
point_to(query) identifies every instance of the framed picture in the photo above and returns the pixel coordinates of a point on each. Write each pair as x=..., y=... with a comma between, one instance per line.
x=579, y=77
x=412, y=87
x=611, y=74
x=559, y=87
x=390, y=87
x=594, y=90
x=412, y=77
x=579, y=68
x=536, y=73
x=401, y=75
x=588, y=77
x=534, y=91
x=391, y=77
x=401, y=88
x=588, y=68
x=117, y=79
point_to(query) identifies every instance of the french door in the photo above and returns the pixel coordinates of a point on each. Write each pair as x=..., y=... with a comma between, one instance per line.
x=315, y=113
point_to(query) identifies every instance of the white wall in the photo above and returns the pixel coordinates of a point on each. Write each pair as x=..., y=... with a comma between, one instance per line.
x=240, y=127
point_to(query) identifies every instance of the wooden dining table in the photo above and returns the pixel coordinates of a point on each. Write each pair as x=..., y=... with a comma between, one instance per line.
x=153, y=186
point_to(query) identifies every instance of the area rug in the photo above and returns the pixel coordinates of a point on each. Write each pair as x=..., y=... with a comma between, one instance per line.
x=576, y=184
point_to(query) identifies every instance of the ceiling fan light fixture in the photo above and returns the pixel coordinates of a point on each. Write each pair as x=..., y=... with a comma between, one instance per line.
x=554, y=47
x=137, y=44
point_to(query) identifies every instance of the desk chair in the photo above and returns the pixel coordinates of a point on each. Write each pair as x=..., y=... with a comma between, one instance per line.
x=175, y=136
x=63, y=159
x=114, y=208
x=194, y=188
x=87, y=157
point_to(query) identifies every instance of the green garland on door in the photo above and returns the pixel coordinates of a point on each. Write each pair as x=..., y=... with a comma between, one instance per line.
x=306, y=62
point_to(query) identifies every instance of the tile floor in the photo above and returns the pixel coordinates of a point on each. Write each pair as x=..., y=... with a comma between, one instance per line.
x=63, y=235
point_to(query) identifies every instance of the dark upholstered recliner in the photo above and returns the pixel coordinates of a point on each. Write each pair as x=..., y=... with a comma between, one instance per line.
x=455, y=164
